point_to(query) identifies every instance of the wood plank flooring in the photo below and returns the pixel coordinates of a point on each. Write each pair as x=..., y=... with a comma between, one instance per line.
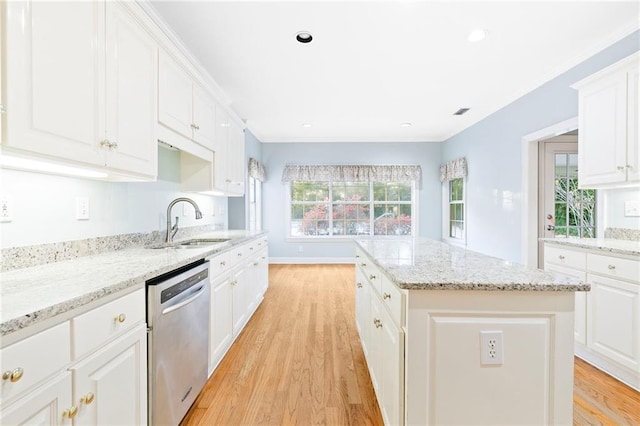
x=299, y=361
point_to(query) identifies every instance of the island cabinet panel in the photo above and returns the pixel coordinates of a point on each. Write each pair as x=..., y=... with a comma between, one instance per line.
x=422, y=308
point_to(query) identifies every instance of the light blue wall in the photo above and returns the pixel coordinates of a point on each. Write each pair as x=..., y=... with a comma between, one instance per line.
x=493, y=148
x=276, y=155
x=237, y=205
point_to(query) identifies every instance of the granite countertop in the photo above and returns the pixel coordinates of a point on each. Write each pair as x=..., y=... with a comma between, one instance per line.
x=422, y=264
x=31, y=295
x=607, y=245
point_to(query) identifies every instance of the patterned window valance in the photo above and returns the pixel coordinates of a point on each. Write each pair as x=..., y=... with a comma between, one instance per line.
x=453, y=169
x=351, y=173
x=257, y=170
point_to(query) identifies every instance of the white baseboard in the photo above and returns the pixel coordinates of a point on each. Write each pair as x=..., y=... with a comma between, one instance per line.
x=310, y=260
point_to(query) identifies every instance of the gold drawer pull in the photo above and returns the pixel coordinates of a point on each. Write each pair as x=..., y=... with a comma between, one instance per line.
x=70, y=412
x=120, y=318
x=239, y=254
x=386, y=296
x=13, y=375
x=612, y=267
x=364, y=265
x=223, y=263
x=372, y=277
x=255, y=263
x=359, y=285
x=561, y=257
x=377, y=323
x=88, y=398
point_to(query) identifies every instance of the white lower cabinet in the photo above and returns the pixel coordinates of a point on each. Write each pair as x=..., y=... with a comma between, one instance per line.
x=44, y=405
x=239, y=280
x=607, y=319
x=104, y=385
x=110, y=386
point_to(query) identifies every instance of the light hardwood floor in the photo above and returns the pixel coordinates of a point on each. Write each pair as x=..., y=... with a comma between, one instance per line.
x=299, y=361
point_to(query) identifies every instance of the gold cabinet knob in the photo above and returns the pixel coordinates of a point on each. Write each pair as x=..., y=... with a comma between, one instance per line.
x=372, y=277
x=255, y=263
x=612, y=267
x=70, y=412
x=88, y=398
x=561, y=257
x=363, y=264
x=13, y=375
x=377, y=323
x=239, y=254
x=386, y=296
x=120, y=318
x=223, y=263
x=359, y=285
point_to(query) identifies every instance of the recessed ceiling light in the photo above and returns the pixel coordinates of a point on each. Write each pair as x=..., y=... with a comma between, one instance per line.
x=477, y=35
x=304, y=37
x=306, y=124
x=406, y=124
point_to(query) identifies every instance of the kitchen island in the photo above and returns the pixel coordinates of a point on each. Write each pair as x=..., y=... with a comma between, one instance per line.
x=452, y=336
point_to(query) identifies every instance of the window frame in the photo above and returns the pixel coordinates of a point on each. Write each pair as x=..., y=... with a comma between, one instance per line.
x=255, y=205
x=414, y=203
x=446, y=209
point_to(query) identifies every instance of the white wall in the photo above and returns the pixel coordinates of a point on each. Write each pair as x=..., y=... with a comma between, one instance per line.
x=44, y=205
x=614, y=208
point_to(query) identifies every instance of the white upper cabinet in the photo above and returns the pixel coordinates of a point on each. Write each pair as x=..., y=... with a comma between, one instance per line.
x=80, y=85
x=184, y=106
x=608, y=123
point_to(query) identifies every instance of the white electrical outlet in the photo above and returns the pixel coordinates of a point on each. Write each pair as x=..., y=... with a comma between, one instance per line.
x=632, y=208
x=6, y=208
x=491, y=348
x=82, y=208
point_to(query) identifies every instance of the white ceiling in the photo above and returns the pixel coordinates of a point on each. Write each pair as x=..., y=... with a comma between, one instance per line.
x=376, y=64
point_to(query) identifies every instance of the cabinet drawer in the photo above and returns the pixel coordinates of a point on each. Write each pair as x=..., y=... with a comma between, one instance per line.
x=94, y=328
x=237, y=255
x=575, y=273
x=38, y=356
x=565, y=257
x=393, y=299
x=218, y=264
x=626, y=269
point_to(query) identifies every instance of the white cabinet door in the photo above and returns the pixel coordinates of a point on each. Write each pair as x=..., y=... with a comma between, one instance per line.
x=131, y=94
x=221, y=153
x=633, y=123
x=204, y=113
x=580, y=314
x=53, y=79
x=603, y=131
x=614, y=320
x=221, y=320
x=392, y=405
x=174, y=96
x=236, y=168
x=239, y=299
x=374, y=344
x=44, y=405
x=110, y=386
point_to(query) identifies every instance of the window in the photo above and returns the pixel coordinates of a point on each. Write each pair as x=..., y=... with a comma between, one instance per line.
x=456, y=208
x=575, y=209
x=347, y=209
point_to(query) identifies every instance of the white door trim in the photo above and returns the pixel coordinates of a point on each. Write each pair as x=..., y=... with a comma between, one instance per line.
x=530, y=186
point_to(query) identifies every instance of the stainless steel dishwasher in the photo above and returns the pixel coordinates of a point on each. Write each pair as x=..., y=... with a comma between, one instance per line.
x=178, y=341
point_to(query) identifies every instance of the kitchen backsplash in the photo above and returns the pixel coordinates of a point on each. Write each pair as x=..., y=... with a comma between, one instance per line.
x=40, y=254
x=622, y=234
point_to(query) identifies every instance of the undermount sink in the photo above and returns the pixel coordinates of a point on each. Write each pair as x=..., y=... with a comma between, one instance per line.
x=194, y=243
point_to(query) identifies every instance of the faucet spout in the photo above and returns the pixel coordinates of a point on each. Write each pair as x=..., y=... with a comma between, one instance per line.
x=174, y=228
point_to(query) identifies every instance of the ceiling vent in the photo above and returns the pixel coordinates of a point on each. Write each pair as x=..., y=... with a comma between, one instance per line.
x=461, y=111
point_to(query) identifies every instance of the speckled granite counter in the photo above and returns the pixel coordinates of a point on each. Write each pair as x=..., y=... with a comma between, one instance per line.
x=31, y=295
x=422, y=264
x=626, y=247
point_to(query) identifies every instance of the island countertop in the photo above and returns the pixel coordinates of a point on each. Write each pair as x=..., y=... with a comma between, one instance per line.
x=423, y=264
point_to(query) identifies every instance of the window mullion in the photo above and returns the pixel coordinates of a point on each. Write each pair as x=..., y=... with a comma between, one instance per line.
x=330, y=209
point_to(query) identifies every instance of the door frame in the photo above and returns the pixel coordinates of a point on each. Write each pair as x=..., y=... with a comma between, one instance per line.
x=530, y=193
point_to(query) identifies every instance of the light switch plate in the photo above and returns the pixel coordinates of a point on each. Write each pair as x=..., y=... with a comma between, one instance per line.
x=632, y=208
x=6, y=208
x=82, y=208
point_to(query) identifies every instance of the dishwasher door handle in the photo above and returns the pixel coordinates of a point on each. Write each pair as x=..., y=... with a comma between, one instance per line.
x=185, y=302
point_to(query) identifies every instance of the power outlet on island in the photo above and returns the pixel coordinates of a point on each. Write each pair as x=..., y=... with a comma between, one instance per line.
x=491, y=348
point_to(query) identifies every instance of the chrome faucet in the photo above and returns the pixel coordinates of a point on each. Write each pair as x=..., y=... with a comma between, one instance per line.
x=174, y=228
